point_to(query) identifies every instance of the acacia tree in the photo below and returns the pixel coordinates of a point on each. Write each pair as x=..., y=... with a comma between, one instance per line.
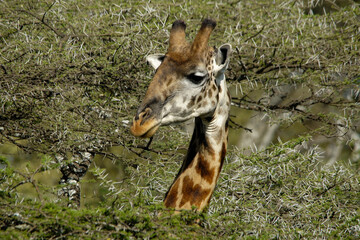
x=71, y=74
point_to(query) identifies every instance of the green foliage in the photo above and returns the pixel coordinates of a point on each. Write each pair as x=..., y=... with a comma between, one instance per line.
x=73, y=72
x=280, y=192
x=6, y=173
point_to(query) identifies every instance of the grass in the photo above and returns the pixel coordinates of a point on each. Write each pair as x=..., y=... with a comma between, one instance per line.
x=73, y=72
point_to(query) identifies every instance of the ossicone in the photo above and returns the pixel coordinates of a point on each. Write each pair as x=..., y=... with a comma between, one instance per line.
x=202, y=38
x=177, y=35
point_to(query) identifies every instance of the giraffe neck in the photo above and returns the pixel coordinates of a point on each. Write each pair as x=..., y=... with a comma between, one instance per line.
x=196, y=180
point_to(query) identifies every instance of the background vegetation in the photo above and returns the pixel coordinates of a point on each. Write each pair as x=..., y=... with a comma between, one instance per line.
x=72, y=75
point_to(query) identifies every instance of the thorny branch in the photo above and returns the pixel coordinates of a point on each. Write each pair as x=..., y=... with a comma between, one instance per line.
x=290, y=108
x=29, y=178
x=73, y=100
x=42, y=20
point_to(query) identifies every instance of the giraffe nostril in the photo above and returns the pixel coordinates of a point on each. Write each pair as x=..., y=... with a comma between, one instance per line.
x=147, y=112
x=143, y=115
x=137, y=115
x=147, y=108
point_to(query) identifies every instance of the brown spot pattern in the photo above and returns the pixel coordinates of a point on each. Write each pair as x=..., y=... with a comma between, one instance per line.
x=193, y=193
x=204, y=170
x=222, y=155
x=171, y=197
x=191, y=103
x=210, y=93
x=169, y=81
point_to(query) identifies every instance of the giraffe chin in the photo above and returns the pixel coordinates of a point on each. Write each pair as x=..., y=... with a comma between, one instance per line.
x=145, y=130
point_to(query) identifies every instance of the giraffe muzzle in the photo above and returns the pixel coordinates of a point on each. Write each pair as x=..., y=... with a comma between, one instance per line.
x=144, y=125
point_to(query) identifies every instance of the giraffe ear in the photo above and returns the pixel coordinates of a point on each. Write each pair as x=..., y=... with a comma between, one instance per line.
x=221, y=62
x=223, y=56
x=155, y=60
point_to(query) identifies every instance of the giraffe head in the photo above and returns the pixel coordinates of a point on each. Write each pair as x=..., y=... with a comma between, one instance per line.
x=187, y=81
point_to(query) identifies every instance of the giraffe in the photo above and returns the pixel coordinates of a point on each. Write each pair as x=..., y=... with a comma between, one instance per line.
x=189, y=82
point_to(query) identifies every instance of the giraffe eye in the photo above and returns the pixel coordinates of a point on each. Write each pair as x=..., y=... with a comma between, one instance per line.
x=196, y=77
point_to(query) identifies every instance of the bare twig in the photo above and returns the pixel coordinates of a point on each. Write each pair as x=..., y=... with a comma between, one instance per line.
x=239, y=126
x=254, y=35
x=56, y=31
x=43, y=18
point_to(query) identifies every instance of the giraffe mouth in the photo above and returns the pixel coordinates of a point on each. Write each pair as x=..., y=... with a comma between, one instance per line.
x=144, y=129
